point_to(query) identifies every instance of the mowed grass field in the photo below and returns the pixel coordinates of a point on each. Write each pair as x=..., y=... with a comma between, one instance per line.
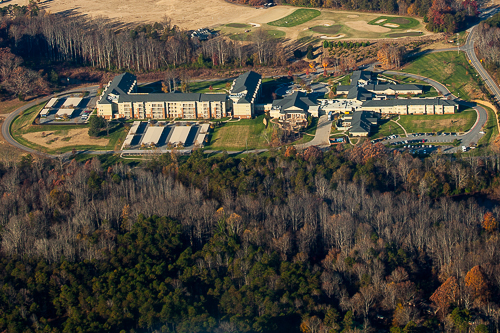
x=386, y=128
x=450, y=69
x=298, y=17
x=395, y=22
x=459, y=122
x=240, y=135
x=309, y=25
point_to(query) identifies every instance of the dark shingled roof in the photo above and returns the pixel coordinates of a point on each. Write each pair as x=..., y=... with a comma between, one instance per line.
x=122, y=83
x=412, y=101
x=395, y=87
x=248, y=82
x=361, y=121
x=359, y=93
x=297, y=99
x=357, y=75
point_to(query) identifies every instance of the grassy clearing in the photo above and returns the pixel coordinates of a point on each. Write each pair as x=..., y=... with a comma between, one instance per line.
x=405, y=34
x=240, y=135
x=298, y=17
x=459, y=122
x=239, y=25
x=386, y=128
x=8, y=106
x=327, y=30
x=402, y=22
x=204, y=86
x=490, y=128
x=276, y=33
x=450, y=69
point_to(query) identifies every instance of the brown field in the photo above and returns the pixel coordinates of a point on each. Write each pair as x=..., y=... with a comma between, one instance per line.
x=195, y=14
x=74, y=137
x=190, y=14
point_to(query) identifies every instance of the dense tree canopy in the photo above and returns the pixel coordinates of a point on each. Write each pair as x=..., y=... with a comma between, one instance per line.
x=298, y=240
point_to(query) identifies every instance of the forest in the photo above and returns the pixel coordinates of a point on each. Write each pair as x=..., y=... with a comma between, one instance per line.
x=347, y=240
x=80, y=41
x=488, y=44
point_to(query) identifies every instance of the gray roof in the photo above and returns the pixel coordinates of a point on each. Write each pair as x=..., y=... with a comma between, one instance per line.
x=361, y=121
x=345, y=87
x=359, y=93
x=381, y=87
x=249, y=82
x=122, y=83
x=357, y=75
x=395, y=87
x=412, y=101
x=297, y=99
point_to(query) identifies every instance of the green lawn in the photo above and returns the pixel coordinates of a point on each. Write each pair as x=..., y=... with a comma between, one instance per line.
x=276, y=33
x=239, y=25
x=299, y=16
x=247, y=36
x=402, y=22
x=450, y=69
x=327, y=30
x=459, y=122
x=490, y=128
x=204, y=86
x=386, y=128
x=405, y=34
x=240, y=135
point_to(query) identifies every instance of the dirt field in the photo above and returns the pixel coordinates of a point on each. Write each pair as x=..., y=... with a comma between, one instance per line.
x=195, y=14
x=74, y=137
x=191, y=14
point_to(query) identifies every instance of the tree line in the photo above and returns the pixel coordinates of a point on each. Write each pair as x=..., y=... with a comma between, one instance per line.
x=488, y=44
x=97, y=43
x=344, y=240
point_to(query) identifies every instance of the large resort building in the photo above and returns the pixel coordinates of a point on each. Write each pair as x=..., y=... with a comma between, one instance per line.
x=120, y=99
x=245, y=92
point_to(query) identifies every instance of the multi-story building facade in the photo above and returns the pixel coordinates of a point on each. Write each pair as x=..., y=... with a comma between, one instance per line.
x=121, y=100
x=245, y=92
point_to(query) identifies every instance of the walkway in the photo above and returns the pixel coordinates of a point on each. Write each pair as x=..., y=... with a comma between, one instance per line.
x=396, y=121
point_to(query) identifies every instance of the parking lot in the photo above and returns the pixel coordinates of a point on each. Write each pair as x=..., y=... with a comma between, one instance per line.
x=165, y=135
x=76, y=115
x=424, y=143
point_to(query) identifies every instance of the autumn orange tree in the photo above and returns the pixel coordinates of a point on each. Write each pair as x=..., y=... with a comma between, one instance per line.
x=490, y=224
x=446, y=294
x=476, y=285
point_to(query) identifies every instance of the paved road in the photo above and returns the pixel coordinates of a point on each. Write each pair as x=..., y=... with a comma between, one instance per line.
x=322, y=137
x=469, y=49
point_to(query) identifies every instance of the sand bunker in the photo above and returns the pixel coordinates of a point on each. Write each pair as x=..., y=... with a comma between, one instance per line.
x=364, y=26
x=352, y=16
x=380, y=21
x=255, y=25
x=332, y=37
x=78, y=137
x=391, y=25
